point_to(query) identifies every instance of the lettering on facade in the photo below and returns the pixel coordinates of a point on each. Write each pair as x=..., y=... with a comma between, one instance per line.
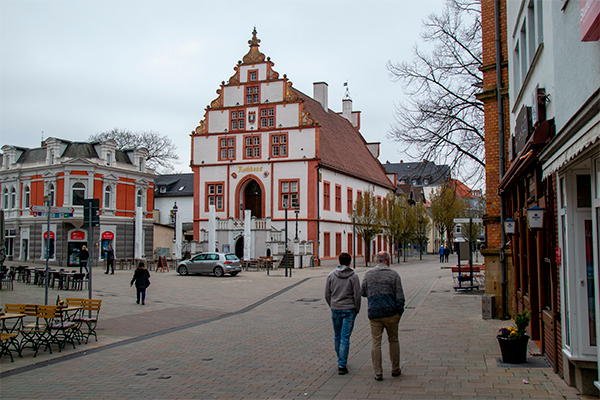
x=249, y=169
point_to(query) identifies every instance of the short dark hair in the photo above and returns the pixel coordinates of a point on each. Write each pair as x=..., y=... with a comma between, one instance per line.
x=345, y=258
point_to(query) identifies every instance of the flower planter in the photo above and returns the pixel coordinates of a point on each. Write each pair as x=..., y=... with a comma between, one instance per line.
x=514, y=350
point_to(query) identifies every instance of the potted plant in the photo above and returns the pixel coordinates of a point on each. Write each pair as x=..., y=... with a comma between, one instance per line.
x=513, y=340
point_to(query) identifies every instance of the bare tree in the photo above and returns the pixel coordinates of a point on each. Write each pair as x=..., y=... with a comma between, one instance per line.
x=422, y=225
x=445, y=207
x=367, y=215
x=441, y=119
x=161, y=150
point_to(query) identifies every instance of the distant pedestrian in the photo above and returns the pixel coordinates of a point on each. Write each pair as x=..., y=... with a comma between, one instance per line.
x=141, y=277
x=442, y=254
x=110, y=259
x=382, y=287
x=342, y=293
x=84, y=255
x=446, y=253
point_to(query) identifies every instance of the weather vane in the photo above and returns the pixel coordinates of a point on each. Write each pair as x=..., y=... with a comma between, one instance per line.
x=347, y=95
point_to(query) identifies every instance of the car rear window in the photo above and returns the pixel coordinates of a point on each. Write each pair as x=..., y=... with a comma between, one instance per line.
x=231, y=257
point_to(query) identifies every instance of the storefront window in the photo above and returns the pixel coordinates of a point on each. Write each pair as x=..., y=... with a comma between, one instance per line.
x=591, y=298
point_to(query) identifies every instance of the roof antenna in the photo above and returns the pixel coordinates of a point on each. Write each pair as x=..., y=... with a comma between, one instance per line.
x=42, y=137
x=347, y=95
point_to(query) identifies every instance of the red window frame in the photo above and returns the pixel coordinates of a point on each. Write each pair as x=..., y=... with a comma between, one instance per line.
x=255, y=151
x=338, y=198
x=349, y=200
x=285, y=188
x=359, y=245
x=326, y=196
x=250, y=72
x=214, y=190
x=279, y=149
x=338, y=243
x=350, y=243
x=237, y=120
x=228, y=146
x=266, y=117
x=326, y=244
x=252, y=94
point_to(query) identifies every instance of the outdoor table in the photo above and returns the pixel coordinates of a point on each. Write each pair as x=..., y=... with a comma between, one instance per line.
x=65, y=279
x=5, y=317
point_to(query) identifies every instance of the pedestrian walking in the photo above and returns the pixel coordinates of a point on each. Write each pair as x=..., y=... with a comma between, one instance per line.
x=446, y=253
x=110, y=259
x=141, y=278
x=442, y=253
x=342, y=293
x=84, y=255
x=382, y=287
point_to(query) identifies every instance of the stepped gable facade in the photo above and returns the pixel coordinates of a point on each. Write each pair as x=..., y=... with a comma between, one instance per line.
x=261, y=145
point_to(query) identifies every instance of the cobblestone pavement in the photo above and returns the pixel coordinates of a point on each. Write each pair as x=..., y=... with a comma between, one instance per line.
x=270, y=337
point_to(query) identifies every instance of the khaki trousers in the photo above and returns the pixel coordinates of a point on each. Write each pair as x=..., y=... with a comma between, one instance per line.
x=390, y=324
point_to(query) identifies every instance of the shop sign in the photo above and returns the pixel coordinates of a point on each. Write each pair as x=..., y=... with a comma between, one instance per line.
x=108, y=235
x=522, y=128
x=249, y=169
x=77, y=235
x=46, y=235
x=590, y=20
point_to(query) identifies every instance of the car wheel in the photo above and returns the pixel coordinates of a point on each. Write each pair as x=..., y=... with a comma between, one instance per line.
x=234, y=273
x=218, y=271
x=182, y=270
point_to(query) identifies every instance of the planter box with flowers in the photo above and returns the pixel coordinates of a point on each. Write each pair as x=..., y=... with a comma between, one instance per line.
x=513, y=340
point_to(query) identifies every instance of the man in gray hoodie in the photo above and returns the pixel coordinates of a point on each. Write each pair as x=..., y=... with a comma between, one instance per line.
x=342, y=293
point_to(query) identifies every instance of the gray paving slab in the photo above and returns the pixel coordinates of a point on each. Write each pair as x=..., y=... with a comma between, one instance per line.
x=270, y=337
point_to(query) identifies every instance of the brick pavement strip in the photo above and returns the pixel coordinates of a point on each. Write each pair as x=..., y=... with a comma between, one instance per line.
x=281, y=348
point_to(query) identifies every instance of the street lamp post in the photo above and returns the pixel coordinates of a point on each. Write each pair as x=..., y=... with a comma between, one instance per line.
x=286, y=238
x=296, y=211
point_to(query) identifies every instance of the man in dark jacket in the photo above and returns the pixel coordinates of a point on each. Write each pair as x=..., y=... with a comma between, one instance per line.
x=110, y=259
x=383, y=289
x=342, y=293
x=84, y=255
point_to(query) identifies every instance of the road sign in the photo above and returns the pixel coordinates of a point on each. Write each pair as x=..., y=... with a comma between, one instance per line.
x=53, y=210
x=468, y=220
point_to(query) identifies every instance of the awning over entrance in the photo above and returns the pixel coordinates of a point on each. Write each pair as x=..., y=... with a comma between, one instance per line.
x=588, y=135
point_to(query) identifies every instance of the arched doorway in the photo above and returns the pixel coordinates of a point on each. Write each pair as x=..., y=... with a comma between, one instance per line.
x=253, y=199
x=239, y=248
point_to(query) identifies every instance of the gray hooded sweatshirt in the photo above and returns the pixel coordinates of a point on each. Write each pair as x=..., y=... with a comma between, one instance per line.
x=342, y=289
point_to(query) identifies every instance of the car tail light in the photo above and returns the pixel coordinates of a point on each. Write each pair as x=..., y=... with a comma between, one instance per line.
x=228, y=262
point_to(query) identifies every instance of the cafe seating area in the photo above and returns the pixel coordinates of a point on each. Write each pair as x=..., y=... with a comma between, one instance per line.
x=40, y=327
x=60, y=279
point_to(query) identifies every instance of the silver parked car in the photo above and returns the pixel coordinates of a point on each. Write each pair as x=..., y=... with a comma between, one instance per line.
x=218, y=264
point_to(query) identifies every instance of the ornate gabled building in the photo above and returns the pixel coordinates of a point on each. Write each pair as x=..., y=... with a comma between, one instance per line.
x=67, y=173
x=263, y=144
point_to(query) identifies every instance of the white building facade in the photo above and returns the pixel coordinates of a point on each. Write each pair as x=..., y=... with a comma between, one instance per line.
x=263, y=145
x=554, y=67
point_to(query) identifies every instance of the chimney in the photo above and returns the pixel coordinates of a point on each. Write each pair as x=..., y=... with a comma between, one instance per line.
x=347, y=109
x=320, y=94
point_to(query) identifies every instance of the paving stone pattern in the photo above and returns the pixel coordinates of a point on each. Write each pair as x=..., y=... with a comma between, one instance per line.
x=270, y=337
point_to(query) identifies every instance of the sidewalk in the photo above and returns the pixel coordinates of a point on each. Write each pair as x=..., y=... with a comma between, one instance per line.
x=258, y=336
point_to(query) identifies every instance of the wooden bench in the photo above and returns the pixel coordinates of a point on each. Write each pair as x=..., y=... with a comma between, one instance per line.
x=465, y=275
x=92, y=306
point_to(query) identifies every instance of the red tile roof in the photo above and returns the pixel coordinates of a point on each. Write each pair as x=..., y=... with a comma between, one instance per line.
x=342, y=147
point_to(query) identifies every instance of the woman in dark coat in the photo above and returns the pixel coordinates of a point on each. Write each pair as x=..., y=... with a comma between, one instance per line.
x=141, y=277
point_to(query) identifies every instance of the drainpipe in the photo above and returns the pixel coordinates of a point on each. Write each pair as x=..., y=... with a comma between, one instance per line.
x=318, y=216
x=501, y=150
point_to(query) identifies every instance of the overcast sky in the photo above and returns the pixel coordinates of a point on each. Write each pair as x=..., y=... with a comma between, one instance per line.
x=74, y=68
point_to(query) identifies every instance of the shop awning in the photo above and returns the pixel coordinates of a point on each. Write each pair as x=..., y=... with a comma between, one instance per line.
x=588, y=135
x=541, y=136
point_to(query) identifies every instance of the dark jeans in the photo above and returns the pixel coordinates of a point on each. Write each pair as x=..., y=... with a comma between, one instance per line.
x=82, y=265
x=110, y=264
x=141, y=291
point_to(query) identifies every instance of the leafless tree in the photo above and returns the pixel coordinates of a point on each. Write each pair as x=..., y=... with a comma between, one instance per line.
x=161, y=150
x=441, y=120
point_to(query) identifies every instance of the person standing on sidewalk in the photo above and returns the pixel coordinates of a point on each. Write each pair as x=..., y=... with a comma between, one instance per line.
x=442, y=254
x=446, y=253
x=383, y=289
x=342, y=293
x=110, y=259
x=84, y=255
x=141, y=277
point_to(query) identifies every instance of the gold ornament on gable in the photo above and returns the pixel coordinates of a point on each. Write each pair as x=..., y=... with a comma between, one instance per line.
x=200, y=129
x=218, y=102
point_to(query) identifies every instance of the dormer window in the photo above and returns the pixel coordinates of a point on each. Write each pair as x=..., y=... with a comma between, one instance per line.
x=51, y=157
x=253, y=75
x=163, y=189
x=141, y=164
x=181, y=188
x=426, y=182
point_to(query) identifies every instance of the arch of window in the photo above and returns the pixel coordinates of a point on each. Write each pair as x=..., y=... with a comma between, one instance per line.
x=107, y=196
x=78, y=191
x=26, y=197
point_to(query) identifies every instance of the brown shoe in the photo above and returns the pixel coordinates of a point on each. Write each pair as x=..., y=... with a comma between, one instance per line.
x=378, y=377
x=397, y=373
